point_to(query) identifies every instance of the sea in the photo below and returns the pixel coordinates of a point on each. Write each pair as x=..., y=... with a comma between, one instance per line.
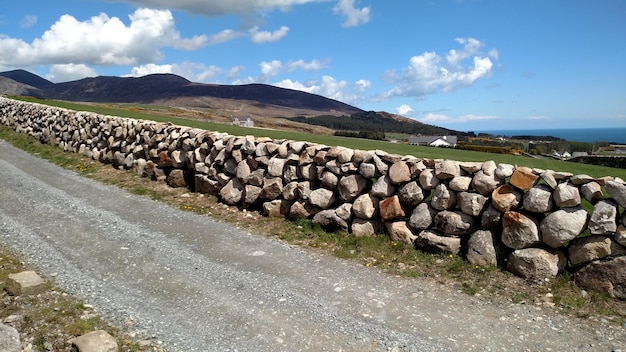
x=612, y=135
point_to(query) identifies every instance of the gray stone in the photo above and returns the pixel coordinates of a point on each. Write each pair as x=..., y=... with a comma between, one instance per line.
x=399, y=232
x=447, y=169
x=620, y=235
x=344, y=211
x=422, y=217
x=471, y=167
x=301, y=210
x=9, y=339
x=433, y=242
x=617, y=191
x=608, y=276
x=489, y=168
x=290, y=191
x=275, y=166
x=536, y=263
x=538, y=199
x=329, y=221
x=276, y=208
x=484, y=183
x=363, y=227
x=603, y=220
x=383, y=187
x=322, y=198
x=176, y=179
x=256, y=177
x=350, y=187
x=232, y=192
x=329, y=179
x=443, y=198
x=548, y=178
x=381, y=167
x=519, y=231
x=367, y=170
x=410, y=194
x=365, y=206
x=95, y=341
x=483, y=248
x=272, y=188
x=399, y=173
x=504, y=170
x=491, y=218
x=566, y=195
x=563, y=226
x=427, y=179
x=460, y=183
x=578, y=180
x=590, y=248
x=454, y=222
x=251, y=194
x=471, y=203
x=25, y=283
x=592, y=191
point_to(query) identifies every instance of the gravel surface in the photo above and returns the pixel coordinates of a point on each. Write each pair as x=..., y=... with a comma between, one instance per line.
x=202, y=285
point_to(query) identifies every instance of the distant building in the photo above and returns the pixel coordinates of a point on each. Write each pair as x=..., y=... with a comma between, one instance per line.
x=243, y=121
x=434, y=141
x=579, y=154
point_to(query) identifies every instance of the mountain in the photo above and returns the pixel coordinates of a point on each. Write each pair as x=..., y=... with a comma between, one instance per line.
x=169, y=89
x=27, y=78
x=12, y=87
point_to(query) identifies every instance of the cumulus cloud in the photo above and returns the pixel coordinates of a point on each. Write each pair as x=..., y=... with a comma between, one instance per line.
x=191, y=71
x=69, y=72
x=261, y=37
x=404, y=110
x=225, y=36
x=100, y=40
x=28, y=21
x=235, y=72
x=327, y=86
x=363, y=85
x=535, y=118
x=313, y=65
x=430, y=72
x=270, y=69
x=352, y=16
x=432, y=118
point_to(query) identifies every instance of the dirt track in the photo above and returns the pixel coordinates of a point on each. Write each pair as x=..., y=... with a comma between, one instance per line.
x=202, y=285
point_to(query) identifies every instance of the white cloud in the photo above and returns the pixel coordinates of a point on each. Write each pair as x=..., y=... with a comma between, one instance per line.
x=363, y=85
x=538, y=118
x=191, y=71
x=328, y=87
x=28, y=21
x=235, y=72
x=430, y=73
x=313, y=65
x=353, y=16
x=404, y=110
x=261, y=37
x=69, y=72
x=101, y=40
x=225, y=36
x=270, y=69
x=441, y=118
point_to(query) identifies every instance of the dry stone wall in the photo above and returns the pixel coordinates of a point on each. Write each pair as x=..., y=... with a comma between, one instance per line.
x=528, y=221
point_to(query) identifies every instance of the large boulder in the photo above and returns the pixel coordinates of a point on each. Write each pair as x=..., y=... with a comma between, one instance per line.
x=410, y=194
x=350, y=187
x=447, y=169
x=586, y=249
x=399, y=173
x=608, y=276
x=427, y=179
x=391, y=208
x=617, y=191
x=523, y=178
x=362, y=227
x=365, y=206
x=519, y=231
x=505, y=198
x=483, y=248
x=592, y=191
x=603, y=220
x=471, y=203
x=422, y=217
x=443, y=198
x=330, y=221
x=491, y=218
x=322, y=198
x=383, y=187
x=484, y=183
x=460, y=183
x=566, y=195
x=232, y=192
x=536, y=263
x=399, y=232
x=563, y=226
x=95, y=341
x=454, y=222
x=538, y=199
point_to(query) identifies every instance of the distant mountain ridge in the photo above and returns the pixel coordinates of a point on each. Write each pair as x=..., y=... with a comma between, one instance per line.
x=164, y=87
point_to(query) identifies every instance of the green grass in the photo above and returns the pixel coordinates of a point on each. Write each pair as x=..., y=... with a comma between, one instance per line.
x=354, y=143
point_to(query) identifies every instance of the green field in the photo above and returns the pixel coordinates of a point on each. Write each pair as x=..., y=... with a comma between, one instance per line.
x=354, y=143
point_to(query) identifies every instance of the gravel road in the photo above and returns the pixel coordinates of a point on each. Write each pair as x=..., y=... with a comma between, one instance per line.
x=202, y=285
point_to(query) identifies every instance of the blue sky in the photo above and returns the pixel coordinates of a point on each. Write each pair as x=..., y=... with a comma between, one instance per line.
x=469, y=65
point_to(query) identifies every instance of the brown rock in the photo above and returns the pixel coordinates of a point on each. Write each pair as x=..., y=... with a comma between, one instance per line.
x=519, y=231
x=447, y=169
x=362, y=227
x=586, y=249
x=523, y=178
x=505, y=198
x=399, y=173
x=592, y=192
x=399, y=232
x=25, y=283
x=391, y=208
x=536, y=263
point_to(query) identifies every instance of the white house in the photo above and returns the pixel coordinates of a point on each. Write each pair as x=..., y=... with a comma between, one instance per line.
x=434, y=141
x=244, y=121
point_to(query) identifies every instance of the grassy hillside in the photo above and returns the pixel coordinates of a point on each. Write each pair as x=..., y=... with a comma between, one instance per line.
x=355, y=143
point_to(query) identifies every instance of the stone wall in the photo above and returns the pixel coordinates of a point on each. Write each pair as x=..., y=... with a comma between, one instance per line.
x=528, y=221
x=618, y=161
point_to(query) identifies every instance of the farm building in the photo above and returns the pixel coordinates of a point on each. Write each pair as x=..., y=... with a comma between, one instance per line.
x=434, y=141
